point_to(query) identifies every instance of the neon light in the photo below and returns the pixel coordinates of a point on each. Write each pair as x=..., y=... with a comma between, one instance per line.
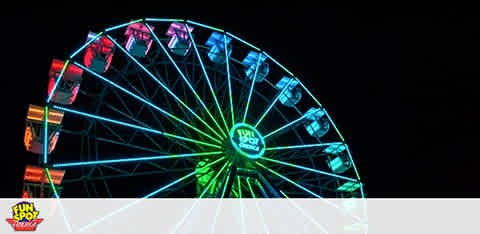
x=289, y=180
x=353, y=163
x=150, y=158
x=205, y=26
x=251, y=88
x=69, y=228
x=300, y=146
x=273, y=103
x=45, y=135
x=334, y=126
x=280, y=65
x=136, y=127
x=214, y=179
x=58, y=81
x=309, y=169
x=247, y=141
x=85, y=45
x=229, y=79
x=250, y=188
x=304, y=213
x=99, y=220
x=122, y=25
x=147, y=102
x=291, y=123
x=242, y=41
x=206, y=77
x=183, y=76
x=163, y=20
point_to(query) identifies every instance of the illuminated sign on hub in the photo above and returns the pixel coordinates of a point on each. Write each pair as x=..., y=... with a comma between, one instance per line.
x=247, y=141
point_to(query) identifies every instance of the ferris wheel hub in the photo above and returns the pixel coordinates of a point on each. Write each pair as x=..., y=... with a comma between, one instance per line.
x=246, y=141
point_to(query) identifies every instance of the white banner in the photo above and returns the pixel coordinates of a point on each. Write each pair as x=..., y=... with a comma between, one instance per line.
x=242, y=216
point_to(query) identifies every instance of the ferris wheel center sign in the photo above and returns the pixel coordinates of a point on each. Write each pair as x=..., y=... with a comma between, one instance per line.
x=247, y=141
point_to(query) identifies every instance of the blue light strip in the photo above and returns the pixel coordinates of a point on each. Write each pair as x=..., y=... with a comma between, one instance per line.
x=251, y=88
x=334, y=126
x=122, y=25
x=188, y=83
x=58, y=81
x=111, y=214
x=242, y=41
x=353, y=163
x=45, y=135
x=136, y=159
x=280, y=65
x=85, y=45
x=304, y=213
x=273, y=103
x=146, y=102
x=291, y=123
x=289, y=180
x=300, y=146
x=229, y=79
x=207, y=78
x=136, y=127
x=308, y=169
x=205, y=26
x=163, y=20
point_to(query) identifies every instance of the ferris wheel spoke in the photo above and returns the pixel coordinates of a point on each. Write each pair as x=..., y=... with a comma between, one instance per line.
x=135, y=159
x=273, y=103
x=57, y=198
x=163, y=85
x=259, y=210
x=229, y=79
x=168, y=135
x=163, y=188
x=242, y=212
x=251, y=88
x=146, y=102
x=290, y=123
x=186, y=80
x=308, y=169
x=290, y=147
x=207, y=78
x=304, y=213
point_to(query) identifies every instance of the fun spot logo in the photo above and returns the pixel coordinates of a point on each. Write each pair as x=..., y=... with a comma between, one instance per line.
x=25, y=217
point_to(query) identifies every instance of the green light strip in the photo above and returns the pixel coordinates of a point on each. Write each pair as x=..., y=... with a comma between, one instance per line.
x=273, y=103
x=309, y=169
x=260, y=186
x=45, y=135
x=51, y=182
x=229, y=79
x=214, y=179
x=300, y=146
x=136, y=126
x=205, y=26
x=225, y=185
x=251, y=87
x=167, y=114
x=207, y=78
x=291, y=123
x=122, y=25
x=250, y=188
x=189, y=85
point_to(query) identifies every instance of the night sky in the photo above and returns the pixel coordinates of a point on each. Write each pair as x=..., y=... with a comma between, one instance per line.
x=402, y=87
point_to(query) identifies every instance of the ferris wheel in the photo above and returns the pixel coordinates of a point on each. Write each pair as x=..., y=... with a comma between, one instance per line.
x=175, y=108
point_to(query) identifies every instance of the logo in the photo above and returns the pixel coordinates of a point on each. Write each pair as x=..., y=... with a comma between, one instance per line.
x=247, y=140
x=24, y=217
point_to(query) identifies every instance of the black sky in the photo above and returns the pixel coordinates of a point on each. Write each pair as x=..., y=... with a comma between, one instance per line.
x=401, y=86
